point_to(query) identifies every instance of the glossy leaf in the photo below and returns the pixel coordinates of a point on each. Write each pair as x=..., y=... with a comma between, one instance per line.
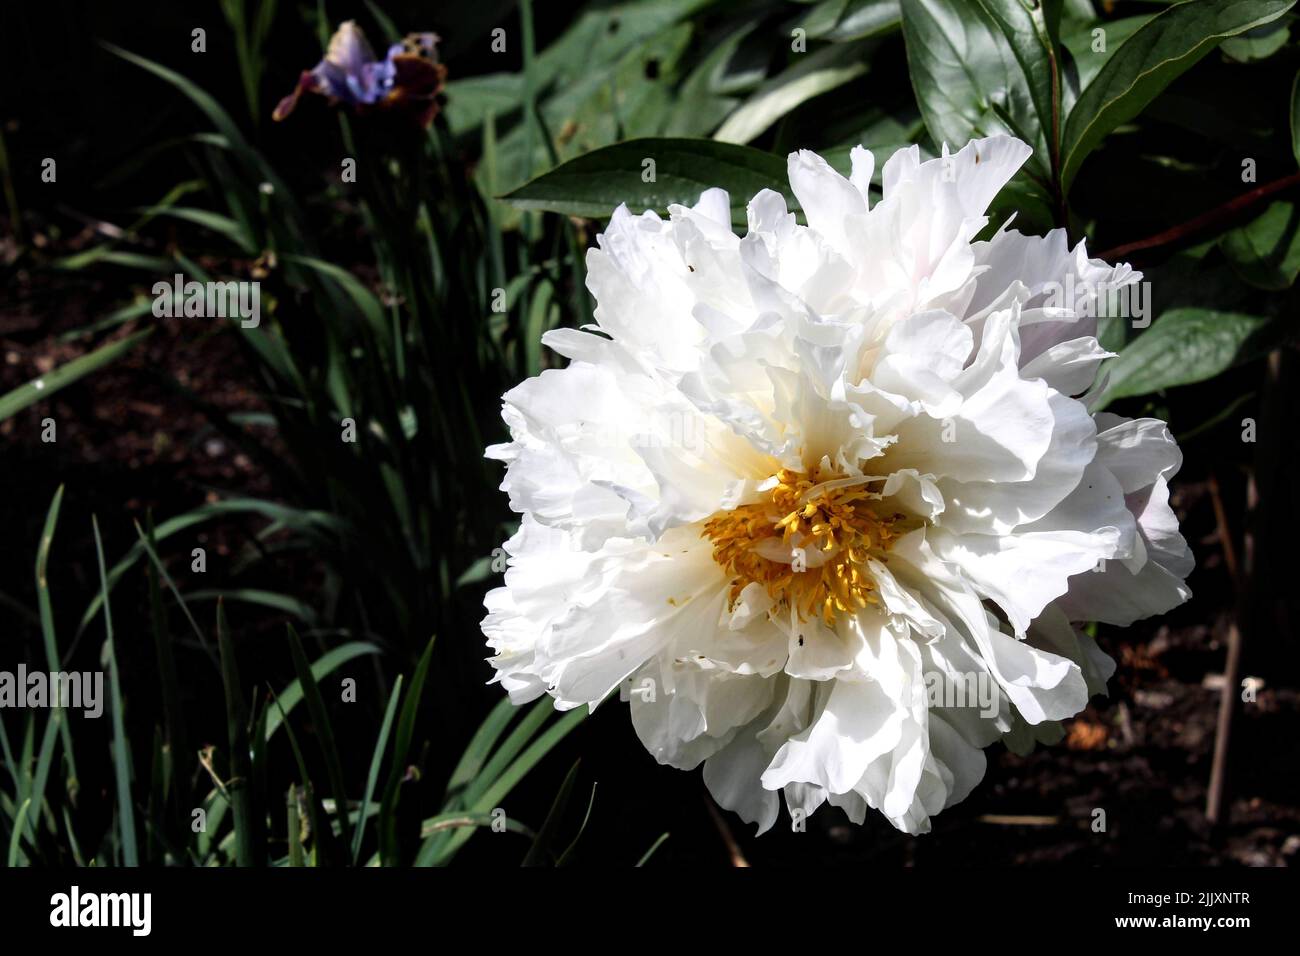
x=1152, y=58
x=1182, y=346
x=594, y=184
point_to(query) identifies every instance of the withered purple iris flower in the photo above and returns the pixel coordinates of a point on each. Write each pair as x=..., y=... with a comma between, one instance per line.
x=408, y=79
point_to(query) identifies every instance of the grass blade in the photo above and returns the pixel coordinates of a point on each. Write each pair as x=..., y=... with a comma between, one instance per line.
x=47, y=620
x=324, y=732
x=327, y=663
x=539, y=853
x=375, y=761
x=387, y=823
x=46, y=385
x=240, y=784
x=645, y=857
x=121, y=757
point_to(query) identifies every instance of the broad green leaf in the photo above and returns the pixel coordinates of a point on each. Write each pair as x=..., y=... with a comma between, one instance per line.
x=1032, y=31
x=846, y=20
x=600, y=36
x=1152, y=58
x=1257, y=44
x=610, y=76
x=594, y=184
x=1266, y=252
x=811, y=75
x=1090, y=46
x=703, y=102
x=966, y=78
x=599, y=107
x=1182, y=346
x=46, y=385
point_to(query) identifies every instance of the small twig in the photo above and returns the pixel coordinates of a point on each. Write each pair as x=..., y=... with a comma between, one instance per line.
x=205, y=760
x=1273, y=410
x=1018, y=820
x=1217, y=214
x=1126, y=725
x=1223, y=532
x=733, y=848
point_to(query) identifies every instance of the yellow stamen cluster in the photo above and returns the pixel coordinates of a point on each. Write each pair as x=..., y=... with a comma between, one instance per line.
x=816, y=514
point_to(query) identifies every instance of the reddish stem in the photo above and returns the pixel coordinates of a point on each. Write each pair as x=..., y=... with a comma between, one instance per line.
x=1217, y=214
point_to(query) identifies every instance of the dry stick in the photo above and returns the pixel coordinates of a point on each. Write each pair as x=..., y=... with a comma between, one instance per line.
x=1215, y=215
x=1224, y=534
x=733, y=848
x=1018, y=820
x=1216, y=800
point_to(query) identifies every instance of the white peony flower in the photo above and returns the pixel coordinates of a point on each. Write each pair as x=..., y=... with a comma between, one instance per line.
x=824, y=501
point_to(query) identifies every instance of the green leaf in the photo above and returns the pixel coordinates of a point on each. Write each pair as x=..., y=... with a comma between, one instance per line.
x=540, y=853
x=448, y=823
x=46, y=609
x=811, y=75
x=121, y=753
x=240, y=784
x=645, y=857
x=209, y=105
x=846, y=20
x=501, y=787
x=1257, y=44
x=326, y=851
x=328, y=662
x=15, y=840
x=1031, y=31
x=967, y=81
x=1295, y=118
x=594, y=184
x=215, y=222
x=269, y=599
x=366, y=301
x=1152, y=58
x=66, y=374
x=1079, y=40
x=1266, y=252
x=703, y=99
x=376, y=761
x=324, y=731
x=37, y=792
x=294, y=827
x=310, y=523
x=1184, y=345
x=387, y=823
x=479, y=747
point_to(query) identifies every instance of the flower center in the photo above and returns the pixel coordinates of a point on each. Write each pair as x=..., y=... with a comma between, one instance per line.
x=807, y=545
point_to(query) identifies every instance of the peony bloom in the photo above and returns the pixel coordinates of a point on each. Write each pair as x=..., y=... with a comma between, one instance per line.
x=408, y=79
x=825, y=500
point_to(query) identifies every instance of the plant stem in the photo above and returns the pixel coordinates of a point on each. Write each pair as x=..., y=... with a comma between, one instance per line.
x=1215, y=215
